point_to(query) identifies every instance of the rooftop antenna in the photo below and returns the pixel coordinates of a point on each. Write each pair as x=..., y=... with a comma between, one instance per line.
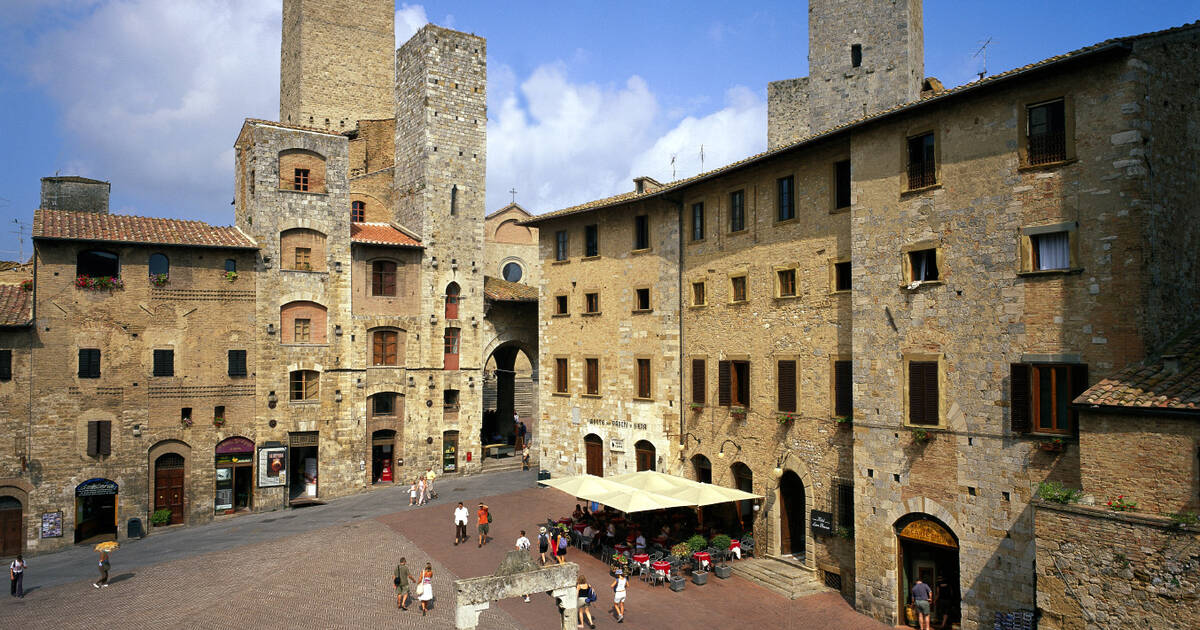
x=702, y=158
x=982, y=52
x=514, y=194
x=672, y=167
x=20, y=229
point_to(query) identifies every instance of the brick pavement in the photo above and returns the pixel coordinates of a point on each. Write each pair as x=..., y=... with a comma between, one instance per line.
x=339, y=576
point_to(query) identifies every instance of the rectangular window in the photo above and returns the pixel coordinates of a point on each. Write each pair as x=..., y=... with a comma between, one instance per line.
x=185, y=414
x=591, y=240
x=739, y=383
x=237, y=362
x=698, y=296
x=304, y=258
x=643, y=378
x=219, y=412
x=1051, y=251
x=560, y=376
x=845, y=502
x=560, y=305
x=841, y=276
x=560, y=245
x=699, y=380
x=923, y=392
x=841, y=184
x=737, y=286
x=698, y=222
x=450, y=399
x=303, y=331
x=737, y=211
x=164, y=363
x=305, y=385
x=843, y=389
x=99, y=439
x=921, y=172
x=358, y=212
x=641, y=232
x=300, y=179
x=383, y=405
x=923, y=265
x=785, y=202
x=89, y=362
x=785, y=389
x=855, y=55
x=1042, y=395
x=1047, y=133
x=642, y=299
x=592, y=376
x=6, y=365
x=450, y=358
x=786, y=282
x=383, y=347
x=591, y=303
x=383, y=278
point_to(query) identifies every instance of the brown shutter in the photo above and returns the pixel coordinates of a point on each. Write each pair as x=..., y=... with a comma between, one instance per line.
x=698, y=369
x=723, y=396
x=931, y=393
x=787, y=386
x=916, y=393
x=643, y=378
x=1020, y=417
x=1079, y=384
x=843, y=388
x=378, y=351
x=93, y=438
x=104, y=438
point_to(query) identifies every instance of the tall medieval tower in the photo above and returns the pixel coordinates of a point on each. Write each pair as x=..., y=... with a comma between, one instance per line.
x=336, y=62
x=864, y=56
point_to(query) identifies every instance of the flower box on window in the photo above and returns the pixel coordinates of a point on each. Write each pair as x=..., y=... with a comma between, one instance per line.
x=159, y=279
x=1055, y=445
x=230, y=276
x=218, y=422
x=696, y=406
x=99, y=283
x=786, y=418
x=738, y=413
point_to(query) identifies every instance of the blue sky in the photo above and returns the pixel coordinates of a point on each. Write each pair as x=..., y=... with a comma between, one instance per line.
x=150, y=94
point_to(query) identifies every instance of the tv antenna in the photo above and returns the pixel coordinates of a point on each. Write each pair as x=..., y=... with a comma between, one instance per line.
x=19, y=228
x=982, y=52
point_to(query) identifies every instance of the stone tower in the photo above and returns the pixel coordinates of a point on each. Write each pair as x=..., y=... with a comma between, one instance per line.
x=336, y=62
x=441, y=145
x=863, y=56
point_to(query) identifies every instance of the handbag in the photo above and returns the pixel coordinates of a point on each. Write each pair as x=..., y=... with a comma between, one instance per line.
x=396, y=581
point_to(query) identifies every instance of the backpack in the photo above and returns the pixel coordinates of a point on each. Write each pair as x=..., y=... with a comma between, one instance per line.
x=591, y=595
x=489, y=516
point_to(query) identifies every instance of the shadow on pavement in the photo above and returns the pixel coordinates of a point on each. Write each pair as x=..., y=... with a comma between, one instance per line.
x=121, y=578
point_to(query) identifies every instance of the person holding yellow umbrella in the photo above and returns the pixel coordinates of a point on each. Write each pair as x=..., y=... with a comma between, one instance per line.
x=104, y=548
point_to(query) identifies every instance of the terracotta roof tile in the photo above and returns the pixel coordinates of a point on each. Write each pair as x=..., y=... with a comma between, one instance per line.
x=950, y=93
x=97, y=226
x=1170, y=381
x=381, y=234
x=14, y=305
x=499, y=290
x=283, y=125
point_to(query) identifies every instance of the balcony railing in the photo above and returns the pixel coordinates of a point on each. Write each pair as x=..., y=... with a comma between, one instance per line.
x=921, y=175
x=1045, y=148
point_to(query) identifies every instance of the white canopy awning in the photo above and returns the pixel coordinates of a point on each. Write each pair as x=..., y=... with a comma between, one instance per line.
x=647, y=490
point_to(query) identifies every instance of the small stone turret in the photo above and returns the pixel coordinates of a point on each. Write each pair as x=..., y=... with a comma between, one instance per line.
x=71, y=192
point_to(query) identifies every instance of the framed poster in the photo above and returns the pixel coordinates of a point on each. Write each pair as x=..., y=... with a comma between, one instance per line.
x=272, y=466
x=52, y=525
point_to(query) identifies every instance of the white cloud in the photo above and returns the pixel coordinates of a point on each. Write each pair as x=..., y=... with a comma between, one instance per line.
x=409, y=19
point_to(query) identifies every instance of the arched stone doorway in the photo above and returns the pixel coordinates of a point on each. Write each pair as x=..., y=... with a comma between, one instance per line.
x=702, y=468
x=169, y=486
x=645, y=453
x=509, y=389
x=593, y=454
x=234, y=461
x=12, y=526
x=792, y=514
x=743, y=479
x=927, y=549
x=96, y=510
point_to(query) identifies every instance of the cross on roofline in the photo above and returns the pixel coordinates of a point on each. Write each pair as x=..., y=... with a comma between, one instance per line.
x=514, y=194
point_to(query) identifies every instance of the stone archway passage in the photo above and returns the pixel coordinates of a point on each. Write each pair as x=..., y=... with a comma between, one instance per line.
x=927, y=550
x=11, y=526
x=518, y=575
x=791, y=514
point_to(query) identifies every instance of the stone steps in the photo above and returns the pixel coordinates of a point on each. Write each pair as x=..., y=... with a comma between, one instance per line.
x=787, y=579
x=503, y=464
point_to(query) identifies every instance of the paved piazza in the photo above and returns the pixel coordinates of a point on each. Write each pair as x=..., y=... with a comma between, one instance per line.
x=330, y=567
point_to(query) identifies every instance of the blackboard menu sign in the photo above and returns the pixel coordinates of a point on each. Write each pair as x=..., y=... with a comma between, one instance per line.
x=822, y=523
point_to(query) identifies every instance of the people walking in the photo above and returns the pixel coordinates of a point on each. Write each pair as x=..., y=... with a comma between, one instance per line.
x=104, y=567
x=429, y=477
x=525, y=458
x=521, y=431
x=421, y=489
x=402, y=580
x=586, y=596
x=412, y=494
x=461, y=516
x=560, y=546
x=425, y=589
x=484, y=519
x=16, y=573
x=618, y=587
x=523, y=545
x=920, y=597
x=543, y=543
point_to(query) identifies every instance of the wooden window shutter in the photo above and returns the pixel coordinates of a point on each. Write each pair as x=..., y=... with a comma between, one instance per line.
x=93, y=436
x=787, y=386
x=723, y=393
x=922, y=392
x=379, y=351
x=84, y=363
x=1021, y=415
x=931, y=393
x=843, y=388
x=237, y=362
x=698, y=369
x=104, y=439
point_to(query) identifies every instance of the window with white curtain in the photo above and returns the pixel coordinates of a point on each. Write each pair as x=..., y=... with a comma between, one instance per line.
x=1051, y=251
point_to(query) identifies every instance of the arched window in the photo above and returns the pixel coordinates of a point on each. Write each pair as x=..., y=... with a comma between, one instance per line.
x=702, y=468
x=512, y=272
x=159, y=265
x=383, y=278
x=231, y=265
x=302, y=171
x=97, y=263
x=358, y=211
x=302, y=322
x=305, y=384
x=301, y=249
x=645, y=455
x=385, y=347
x=454, y=200
x=452, y=292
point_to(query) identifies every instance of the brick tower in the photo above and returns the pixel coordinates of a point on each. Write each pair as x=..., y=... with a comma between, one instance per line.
x=336, y=62
x=863, y=56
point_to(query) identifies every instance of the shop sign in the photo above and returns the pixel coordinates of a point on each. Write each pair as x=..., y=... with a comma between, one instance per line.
x=96, y=488
x=616, y=445
x=236, y=445
x=822, y=523
x=272, y=466
x=620, y=424
x=52, y=525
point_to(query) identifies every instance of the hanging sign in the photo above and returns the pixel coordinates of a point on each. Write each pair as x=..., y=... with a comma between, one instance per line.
x=821, y=522
x=96, y=488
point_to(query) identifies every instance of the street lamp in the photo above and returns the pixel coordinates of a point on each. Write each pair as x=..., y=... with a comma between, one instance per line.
x=721, y=450
x=778, y=472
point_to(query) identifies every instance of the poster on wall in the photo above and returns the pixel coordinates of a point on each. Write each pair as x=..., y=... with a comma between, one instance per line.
x=52, y=525
x=272, y=466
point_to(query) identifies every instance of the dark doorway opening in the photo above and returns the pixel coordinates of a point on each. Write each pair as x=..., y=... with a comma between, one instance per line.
x=928, y=550
x=703, y=468
x=168, y=486
x=743, y=479
x=507, y=393
x=791, y=514
x=594, y=454
x=303, y=466
x=11, y=527
x=96, y=511
x=383, y=460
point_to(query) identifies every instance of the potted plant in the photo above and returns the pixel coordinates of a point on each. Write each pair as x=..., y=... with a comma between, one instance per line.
x=27, y=285
x=230, y=276
x=697, y=407
x=620, y=562
x=844, y=421
x=680, y=550
x=1119, y=504
x=722, y=570
x=99, y=283
x=738, y=413
x=159, y=279
x=185, y=422
x=920, y=436
x=845, y=533
x=160, y=517
x=219, y=421
x=1055, y=445
x=785, y=418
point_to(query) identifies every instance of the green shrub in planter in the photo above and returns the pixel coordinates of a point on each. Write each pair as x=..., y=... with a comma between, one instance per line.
x=721, y=541
x=696, y=543
x=160, y=517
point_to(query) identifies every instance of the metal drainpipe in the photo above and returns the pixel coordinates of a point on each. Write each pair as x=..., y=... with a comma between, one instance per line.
x=679, y=296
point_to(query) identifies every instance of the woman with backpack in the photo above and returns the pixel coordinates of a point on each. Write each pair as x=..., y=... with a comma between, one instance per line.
x=543, y=543
x=586, y=595
x=561, y=542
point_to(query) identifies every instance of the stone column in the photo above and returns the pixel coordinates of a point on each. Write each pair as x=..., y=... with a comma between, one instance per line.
x=466, y=616
x=567, y=600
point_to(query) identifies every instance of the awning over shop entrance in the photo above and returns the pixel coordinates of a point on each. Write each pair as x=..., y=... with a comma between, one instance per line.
x=646, y=490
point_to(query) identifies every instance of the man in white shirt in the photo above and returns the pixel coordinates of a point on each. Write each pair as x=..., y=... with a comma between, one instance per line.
x=639, y=543
x=461, y=515
x=523, y=545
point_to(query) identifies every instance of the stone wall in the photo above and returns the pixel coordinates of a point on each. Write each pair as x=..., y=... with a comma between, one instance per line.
x=788, y=118
x=77, y=194
x=1150, y=459
x=1102, y=569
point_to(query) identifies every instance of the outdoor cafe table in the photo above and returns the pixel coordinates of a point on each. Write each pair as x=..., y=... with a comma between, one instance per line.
x=663, y=566
x=702, y=558
x=641, y=558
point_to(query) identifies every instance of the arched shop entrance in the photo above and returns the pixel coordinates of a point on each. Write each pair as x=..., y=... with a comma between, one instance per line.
x=12, y=526
x=791, y=514
x=168, y=486
x=96, y=510
x=508, y=390
x=927, y=550
x=593, y=454
x=235, y=475
x=383, y=456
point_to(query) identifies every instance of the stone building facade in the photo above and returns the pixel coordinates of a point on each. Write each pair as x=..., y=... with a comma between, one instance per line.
x=952, y=271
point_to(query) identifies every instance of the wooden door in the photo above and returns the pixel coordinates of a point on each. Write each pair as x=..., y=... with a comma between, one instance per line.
x=10, y=530
x=595, y=461
x=168, y=486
